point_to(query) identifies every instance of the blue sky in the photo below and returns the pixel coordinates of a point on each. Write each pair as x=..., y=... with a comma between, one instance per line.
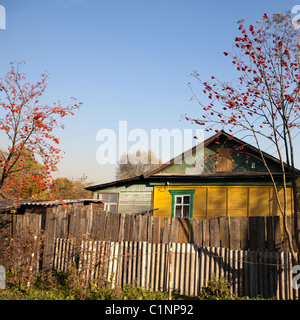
x=125, y=60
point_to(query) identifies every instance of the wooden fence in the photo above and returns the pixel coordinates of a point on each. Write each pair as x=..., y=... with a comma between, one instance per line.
x=149, y=265
x=235, y=233
x=254, y=233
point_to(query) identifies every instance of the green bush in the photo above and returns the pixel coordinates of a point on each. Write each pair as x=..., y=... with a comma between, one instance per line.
x=216, y=289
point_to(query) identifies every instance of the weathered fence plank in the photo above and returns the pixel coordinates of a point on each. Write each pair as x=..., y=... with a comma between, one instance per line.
x=166, y=232
x=150, y=229
x=156, y=230
x=137, y=229
x=270, y=233
x=144, y=228
x=235, y=236
x=285, y=245
x=196, y=232
x=253, y=238
x=205, y=233
x=244, y=226
x=277, y=233
x=173, y=237
x=214, y=232
x=50, y=225
x=184, y=230
x=115, y=225
x=224, y=230
x=261, y=243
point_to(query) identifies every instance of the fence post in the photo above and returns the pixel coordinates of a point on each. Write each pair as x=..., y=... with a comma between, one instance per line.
x=170, y=270
x=31, y=262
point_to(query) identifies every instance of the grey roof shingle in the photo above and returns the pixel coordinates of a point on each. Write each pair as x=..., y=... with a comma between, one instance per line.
x=7, y=204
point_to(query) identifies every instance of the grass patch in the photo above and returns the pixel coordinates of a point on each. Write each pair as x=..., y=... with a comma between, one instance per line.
x=69, y=286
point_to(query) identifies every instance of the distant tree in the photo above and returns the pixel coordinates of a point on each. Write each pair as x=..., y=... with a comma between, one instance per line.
x=131, y=165
x=71, y=189
x=27, y=124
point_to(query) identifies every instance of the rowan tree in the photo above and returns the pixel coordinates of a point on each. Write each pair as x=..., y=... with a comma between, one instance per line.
x=28, y=126
x=32, y=173
x=262, y=102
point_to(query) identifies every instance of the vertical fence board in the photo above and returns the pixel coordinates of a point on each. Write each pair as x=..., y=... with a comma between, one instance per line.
x=121, y=227
x=253, y=241
x=173, y=237
x=244, y=226
x=182, y=268
x=277, y=233
x=131, y=228
x=144, y=228
x=156, y=230
x=126, y=227
x=115, y=226
x=261, y=243
x=183, y=230
x=270, y=233
x=149, y=229
x=253, y=273
x=285, y=245
x=205, y=233
x=50, y=225
x=235, y=238
x=201, y=269
x=102, y=224
x=108, y=227
x=196, y=232
x=224, y=230
x=165, y=238
x=214, y=232
x=137, y=229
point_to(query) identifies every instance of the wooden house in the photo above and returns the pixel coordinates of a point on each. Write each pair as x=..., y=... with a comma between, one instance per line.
x=223, y=178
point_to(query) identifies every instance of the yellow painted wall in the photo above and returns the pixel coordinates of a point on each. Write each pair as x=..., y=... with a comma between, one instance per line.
x=224, y=201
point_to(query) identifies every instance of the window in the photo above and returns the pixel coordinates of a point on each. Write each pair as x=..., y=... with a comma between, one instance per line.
x=182, y=206
x=182, y=203
x=110, y=200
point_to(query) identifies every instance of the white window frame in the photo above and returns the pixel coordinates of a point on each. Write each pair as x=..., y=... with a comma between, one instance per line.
x=182, y=205
x=107, y=204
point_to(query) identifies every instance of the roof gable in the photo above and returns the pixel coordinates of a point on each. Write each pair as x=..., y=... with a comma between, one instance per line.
x=200, y=162
x=204, y=158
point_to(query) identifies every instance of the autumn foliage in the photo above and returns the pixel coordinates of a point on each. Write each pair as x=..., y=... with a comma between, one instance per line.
x=266, y=92
x=262, y=103
x=27, y=125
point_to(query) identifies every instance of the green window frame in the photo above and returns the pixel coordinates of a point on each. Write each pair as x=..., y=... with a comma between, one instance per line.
x=183, y=193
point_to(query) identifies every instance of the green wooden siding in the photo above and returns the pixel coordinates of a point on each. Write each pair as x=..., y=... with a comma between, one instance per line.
x=205, y=160
x=133, y=198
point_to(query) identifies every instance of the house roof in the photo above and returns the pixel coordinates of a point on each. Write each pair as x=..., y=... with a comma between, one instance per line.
x=10, y=204
x=157, y=172
x=116, y=182
x=205, y=144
